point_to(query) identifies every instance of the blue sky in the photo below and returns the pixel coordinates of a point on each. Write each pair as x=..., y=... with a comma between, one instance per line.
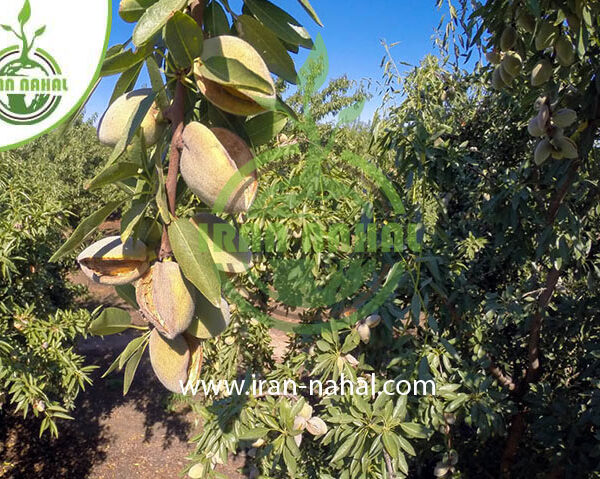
x=353, y=32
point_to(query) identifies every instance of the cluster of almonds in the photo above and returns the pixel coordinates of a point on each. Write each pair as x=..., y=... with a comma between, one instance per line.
x=306, y=421
x=182, y=317
x=364, y=327
x=550, y=39
x=550, y=124
x=446, y=467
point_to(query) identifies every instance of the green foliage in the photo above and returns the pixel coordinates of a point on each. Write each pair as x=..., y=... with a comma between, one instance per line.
x=63, y=164
x=39, y=371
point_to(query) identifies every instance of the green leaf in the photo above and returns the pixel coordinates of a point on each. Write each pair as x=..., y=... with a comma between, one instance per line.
x=390, y=444
x=158, y=83
x=154, y=18
x=195, y=260
x=184, y=39
x=40, y=31
x=87, y=226
x=342, y=451
x=311, y=11
x=414, y=430
x=131, y=368
x=215, y=20
x=122, y=61
x=268, y=46
x=264, y=127
x=132, y=217
x=25, y=13
x=254, y=433
x=313, y=74
x=132, y=10
x=110, y=321
x=161, y=197
x=127, y=293
x=351, y=114
x=112, y=174
x=279, y=22
x=231, y=72
x=8, y=28
x=126, y=81
x=133, y=346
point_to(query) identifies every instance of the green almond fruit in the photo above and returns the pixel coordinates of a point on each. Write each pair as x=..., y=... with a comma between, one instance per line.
x=508, y=38
x=541, y=73
x=493, y=57
x=564, y=118
x=547, y=35
x=526, y=21
x=565, y=52
x=542, y=152
x=170, y=359
x=209, y=321
x=512, y=63
x=567, y=147
x=533, y=128
x=497, y=81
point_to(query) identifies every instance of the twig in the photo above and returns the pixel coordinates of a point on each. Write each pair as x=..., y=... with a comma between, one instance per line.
x=388, y=465
x=176, y=114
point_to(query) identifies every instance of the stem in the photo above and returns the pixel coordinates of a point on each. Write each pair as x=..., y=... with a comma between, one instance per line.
x=388, y=465
x=176, y=114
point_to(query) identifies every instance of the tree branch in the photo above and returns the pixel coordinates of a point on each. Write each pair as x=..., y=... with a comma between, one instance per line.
x=533, y=370
x=388, y=465
x=176, y=114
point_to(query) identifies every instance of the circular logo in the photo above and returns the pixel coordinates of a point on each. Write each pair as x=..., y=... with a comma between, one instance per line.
x=31, y=86
x=48, y=64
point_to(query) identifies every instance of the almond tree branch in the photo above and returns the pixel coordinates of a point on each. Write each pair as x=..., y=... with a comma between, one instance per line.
x=533, y=369
x=176, y=114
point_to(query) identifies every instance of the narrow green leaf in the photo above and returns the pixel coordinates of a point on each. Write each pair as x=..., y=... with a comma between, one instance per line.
x=127, y=293
x=87, y=226
x=311, y=11
x=122, y=61
x=195, y=260
x=215, y=20
x=132, y=217
x=255, y=433
x=131, y=368
x=158, y=83
x=184, y=39
x=231, y=72
x=133, y=346
x=279, y=22
x=414, y=430
x=154, y=18
x=264, y=127
x=126, y=82
x=116, y=172
x=268, y=46
x=344, y=448
x=132, y=10
x=110, y=321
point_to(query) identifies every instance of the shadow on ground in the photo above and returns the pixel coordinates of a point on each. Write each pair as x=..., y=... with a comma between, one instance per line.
x=150, y=439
